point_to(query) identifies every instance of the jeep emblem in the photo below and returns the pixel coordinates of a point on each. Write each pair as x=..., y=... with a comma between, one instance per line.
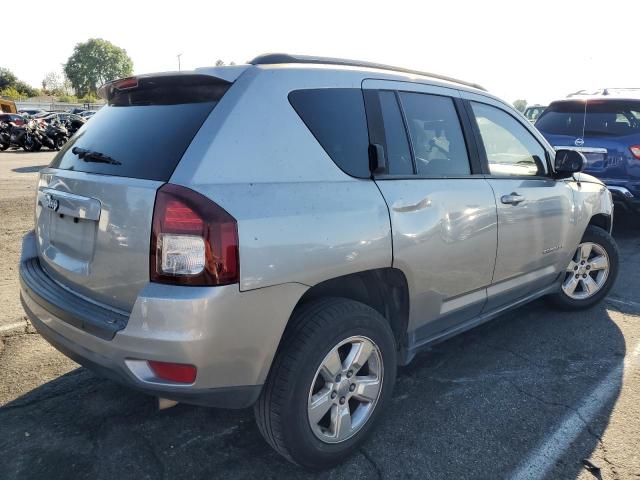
x=52, y=203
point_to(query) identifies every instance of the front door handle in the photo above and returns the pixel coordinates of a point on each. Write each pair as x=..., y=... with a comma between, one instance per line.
x=512, y=199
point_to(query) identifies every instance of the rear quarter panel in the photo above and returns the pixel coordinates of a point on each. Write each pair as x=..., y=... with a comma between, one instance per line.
x=300, y=218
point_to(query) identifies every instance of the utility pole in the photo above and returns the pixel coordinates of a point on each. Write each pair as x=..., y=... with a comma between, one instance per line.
x=179, y=55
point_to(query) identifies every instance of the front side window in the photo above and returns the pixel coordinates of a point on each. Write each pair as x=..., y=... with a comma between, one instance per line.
x=436, y=135
x=511, y=149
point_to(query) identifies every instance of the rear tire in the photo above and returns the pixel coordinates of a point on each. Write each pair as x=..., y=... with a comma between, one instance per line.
x=591, y=273
x=324, y=336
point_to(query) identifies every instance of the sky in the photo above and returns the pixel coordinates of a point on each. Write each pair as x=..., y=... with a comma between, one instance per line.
x=537, y=50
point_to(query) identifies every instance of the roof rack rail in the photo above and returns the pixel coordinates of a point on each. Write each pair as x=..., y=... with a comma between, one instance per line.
x=603, y=91
x=279, y=58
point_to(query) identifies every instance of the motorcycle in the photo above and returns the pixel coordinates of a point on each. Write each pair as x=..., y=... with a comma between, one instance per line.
x=73, y=125
x=26, y=136
x=5, y=135
x=41, y=136
x=58, y=134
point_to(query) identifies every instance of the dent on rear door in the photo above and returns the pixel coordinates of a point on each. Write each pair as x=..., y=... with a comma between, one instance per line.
x=444, y=239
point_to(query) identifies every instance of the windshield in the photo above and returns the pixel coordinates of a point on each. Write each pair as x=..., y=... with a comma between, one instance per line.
x=604, y=117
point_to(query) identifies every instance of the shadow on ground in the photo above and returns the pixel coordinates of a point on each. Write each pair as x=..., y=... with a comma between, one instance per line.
x=473, y=407
x=33, y=169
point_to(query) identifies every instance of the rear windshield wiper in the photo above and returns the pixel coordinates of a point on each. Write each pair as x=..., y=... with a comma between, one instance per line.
x=91, y=156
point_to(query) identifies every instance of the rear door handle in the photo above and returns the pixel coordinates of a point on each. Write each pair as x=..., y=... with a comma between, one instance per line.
x=512, y=199
x=422, y=204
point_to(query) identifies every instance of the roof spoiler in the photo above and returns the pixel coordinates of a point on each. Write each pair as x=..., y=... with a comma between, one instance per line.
x=166, y=88
x=280, y=58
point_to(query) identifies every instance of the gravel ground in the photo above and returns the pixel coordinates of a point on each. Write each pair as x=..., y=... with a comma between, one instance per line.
x=18, y=174
x=529, y=395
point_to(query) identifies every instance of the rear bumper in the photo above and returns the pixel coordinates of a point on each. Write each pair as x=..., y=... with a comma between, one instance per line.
x=230, y=336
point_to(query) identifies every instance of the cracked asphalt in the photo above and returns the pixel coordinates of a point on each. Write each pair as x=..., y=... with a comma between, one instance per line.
x=530, y=395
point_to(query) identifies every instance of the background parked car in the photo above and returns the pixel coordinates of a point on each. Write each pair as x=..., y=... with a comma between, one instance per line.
x=532, y=113
x=605, y=127
x=87, y=114
x=12, y=117
x=30, y=111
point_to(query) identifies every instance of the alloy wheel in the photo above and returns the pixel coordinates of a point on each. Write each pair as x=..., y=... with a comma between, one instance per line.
x=345, y=389
x=587, y=271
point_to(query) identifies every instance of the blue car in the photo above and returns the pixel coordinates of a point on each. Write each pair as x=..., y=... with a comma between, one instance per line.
x=606, y=129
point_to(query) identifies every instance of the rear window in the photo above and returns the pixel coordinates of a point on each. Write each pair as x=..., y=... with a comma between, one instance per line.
x=146, y=129
x=603, y=118
x=337, y=119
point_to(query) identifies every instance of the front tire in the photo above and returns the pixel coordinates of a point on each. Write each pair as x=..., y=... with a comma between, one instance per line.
x=591, y=272
x=331, y=378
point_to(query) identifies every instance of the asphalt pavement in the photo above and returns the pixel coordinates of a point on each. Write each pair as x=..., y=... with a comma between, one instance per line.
x=531, y=394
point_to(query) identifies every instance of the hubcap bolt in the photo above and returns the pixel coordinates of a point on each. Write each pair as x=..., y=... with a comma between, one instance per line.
x=584, y=275
x=576, y=267
x=588, y=267
x=338, y=378
x=334, y=394
x=342, y=400
x=352, y=387
x=582, y=262
x=577, y=276
x=349, y=374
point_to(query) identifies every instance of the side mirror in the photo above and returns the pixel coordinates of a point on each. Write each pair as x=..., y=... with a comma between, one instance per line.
x=568, y=162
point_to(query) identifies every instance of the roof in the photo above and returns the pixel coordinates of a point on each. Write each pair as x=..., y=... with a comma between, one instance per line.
x=284, y=58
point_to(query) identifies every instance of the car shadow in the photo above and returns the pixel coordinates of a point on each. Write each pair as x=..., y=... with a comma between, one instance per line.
x=472, y=407
x=31, y=169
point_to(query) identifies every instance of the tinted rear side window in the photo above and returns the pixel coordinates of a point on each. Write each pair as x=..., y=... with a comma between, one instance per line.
x=147, y=129
x=336, y=117
x=603, y=118
x=436, y=135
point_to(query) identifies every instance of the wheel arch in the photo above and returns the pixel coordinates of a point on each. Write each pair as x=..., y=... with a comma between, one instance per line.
x=602, y=220
x=384, y=289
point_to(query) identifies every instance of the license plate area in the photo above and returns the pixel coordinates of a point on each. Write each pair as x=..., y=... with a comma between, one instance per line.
x=67, y=227
x=595, y=161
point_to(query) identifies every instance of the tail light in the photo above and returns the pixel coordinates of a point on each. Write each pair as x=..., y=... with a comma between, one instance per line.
x=193, y=240
x=635, y=151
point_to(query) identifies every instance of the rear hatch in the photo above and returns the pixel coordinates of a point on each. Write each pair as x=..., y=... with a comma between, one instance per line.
x=95, y=200
x=602, y=129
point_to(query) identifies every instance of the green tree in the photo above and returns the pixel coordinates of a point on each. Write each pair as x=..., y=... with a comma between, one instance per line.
x=7, y=78
x=11, y=92
x=9, y=81
x=95, y=62
x=53, y=84
x=520, y=105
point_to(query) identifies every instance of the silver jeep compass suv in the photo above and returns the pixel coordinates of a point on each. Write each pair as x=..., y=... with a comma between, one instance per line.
x=284, y=234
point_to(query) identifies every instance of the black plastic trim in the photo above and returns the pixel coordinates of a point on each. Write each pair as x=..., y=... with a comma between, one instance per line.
x=68, y=307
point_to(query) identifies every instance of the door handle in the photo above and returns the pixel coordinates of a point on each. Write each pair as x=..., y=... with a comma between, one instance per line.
x=512, y=199
x=424, y=203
